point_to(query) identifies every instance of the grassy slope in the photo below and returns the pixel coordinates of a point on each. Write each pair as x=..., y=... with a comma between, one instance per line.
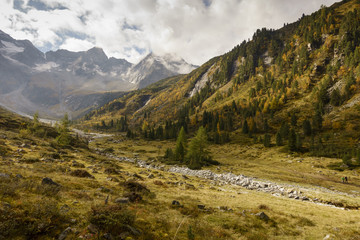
x=41, y=213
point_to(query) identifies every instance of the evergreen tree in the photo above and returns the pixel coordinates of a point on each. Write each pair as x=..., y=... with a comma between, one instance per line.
x=293, y=120
x=198, y=155
x=64, y=137
x=335, y=98
x=307, y=127
x=292, y=140
x=266, y=126
x=298, y=142
x=245, y=128
x=180, y=149
x=267, y=140
x=317, y=121
x=279, y=141
x=284, y=130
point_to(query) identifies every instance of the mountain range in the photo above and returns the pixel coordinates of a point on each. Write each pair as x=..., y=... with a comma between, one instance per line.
x=74, y=82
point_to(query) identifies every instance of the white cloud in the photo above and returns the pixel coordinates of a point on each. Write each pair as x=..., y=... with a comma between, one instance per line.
x=76, y=45
x=132, y=28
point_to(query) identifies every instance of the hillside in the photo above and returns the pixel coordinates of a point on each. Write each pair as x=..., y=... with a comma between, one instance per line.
x=104, y=190
x=303, y=77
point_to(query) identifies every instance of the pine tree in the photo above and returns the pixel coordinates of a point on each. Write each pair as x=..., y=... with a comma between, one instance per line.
x=292, y=140
x=180, y=149
x=293, y=120
x=307, y=127
x=267, y=140
x=279, y=141
x=245, y=128
x=64, y=137
x=317, y=121
x=198, y=155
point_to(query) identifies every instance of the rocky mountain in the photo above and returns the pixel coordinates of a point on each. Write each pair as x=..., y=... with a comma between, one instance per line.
x=61, y=81
x=153, y=67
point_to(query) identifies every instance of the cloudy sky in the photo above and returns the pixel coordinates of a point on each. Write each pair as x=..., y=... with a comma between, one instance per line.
x=195, y=30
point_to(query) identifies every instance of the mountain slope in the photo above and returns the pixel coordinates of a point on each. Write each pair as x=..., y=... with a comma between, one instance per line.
x=306, y=73
x=32, y=81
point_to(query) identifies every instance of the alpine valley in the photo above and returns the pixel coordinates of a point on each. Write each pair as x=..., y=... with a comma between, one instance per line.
x=261, y=142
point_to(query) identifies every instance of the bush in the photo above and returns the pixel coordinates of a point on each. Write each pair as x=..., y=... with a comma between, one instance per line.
x=30, y=220
x=113, y=219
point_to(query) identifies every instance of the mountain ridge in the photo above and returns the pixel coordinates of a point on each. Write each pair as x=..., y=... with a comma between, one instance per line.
x=48, y=79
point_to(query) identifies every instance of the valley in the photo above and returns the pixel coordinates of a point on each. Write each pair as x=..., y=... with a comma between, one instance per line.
x=91, y=184
x=261, y=142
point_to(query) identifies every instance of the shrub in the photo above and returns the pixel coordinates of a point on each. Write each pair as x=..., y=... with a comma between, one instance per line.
x=113, y=219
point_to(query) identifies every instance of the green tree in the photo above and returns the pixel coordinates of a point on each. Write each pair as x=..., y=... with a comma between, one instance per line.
x=180, y=149
x=307, y=127
x=317, y=121
x=279, y=141
x=245, y=128
x=335, y=97
x=64, y=137
x=293, y=120
x=267, y=140
x=292, y=140
x=198, y=155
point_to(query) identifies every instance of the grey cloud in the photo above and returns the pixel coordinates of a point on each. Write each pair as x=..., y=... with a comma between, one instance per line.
x=196, y=30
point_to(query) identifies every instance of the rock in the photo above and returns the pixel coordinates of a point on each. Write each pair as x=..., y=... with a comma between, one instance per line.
x=24, y=145
x=159, y=183
x=189, y=186
x=305, y=198
x=175, y=203
x=6, y=205
x=137, y=176
x=111, y=171
x=122, y=200
x=124, y=235
x=200, y=206
x=108, y=236
x=133, y=230
x=224, y=208
x=64, y=234
x=81, y=173
x=151, y=176
x=4, y=175
x=64, y=208
x=49, y=181
x=92, y=228
x=329, y=237
x=77, y=164
x=262, y=216
x=104, y=189
x=133, y=197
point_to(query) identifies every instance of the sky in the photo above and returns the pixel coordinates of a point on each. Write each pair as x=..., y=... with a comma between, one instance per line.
x=195, y=30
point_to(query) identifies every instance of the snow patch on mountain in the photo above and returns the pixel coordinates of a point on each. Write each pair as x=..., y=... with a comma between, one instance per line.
x=10, y=48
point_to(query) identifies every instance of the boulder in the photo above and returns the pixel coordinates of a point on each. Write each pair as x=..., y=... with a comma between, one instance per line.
x=92, y=228
x=122, y=200
x=49, y=181
x=81, y=173
x=262, y=216
x=200, y=206
x=65, y=233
